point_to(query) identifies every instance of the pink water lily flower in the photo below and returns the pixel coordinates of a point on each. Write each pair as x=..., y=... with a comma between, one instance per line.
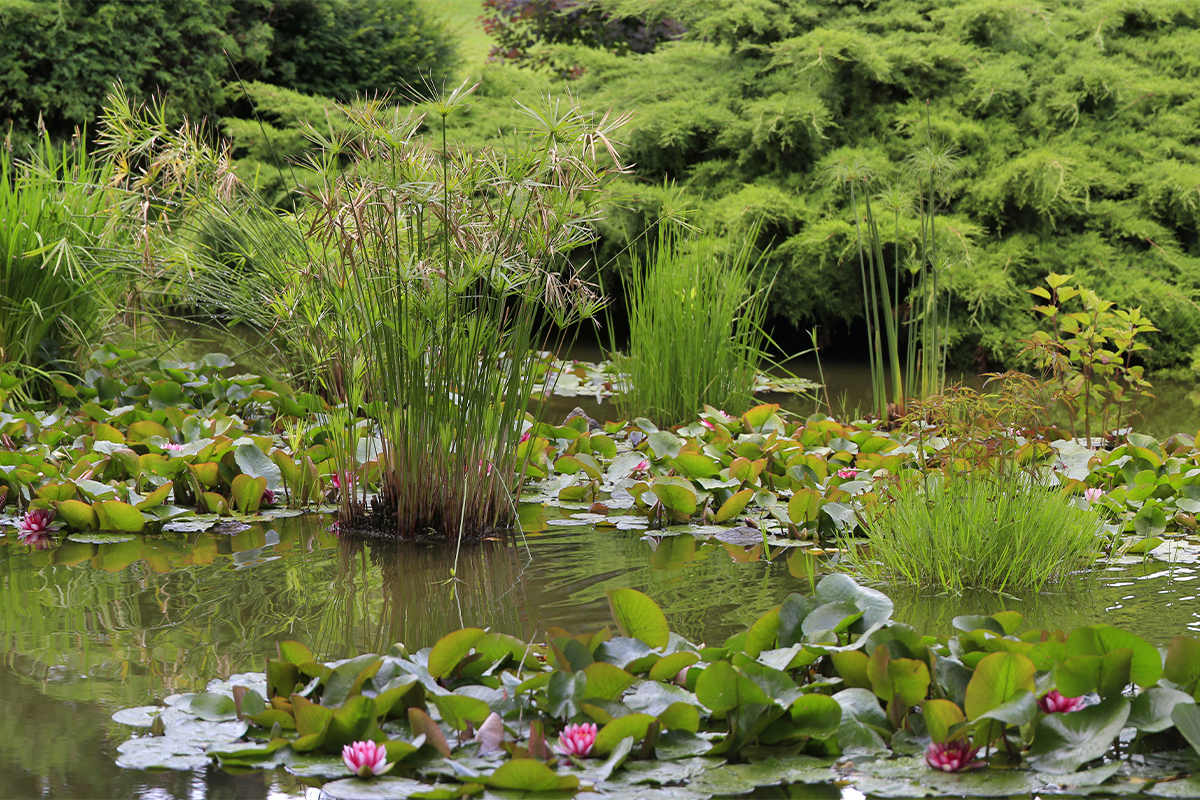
x=366, y=759
x=172, y=446
x=708, y=424
x=953, y=756
x=847, y=474
x=1055, y=703
x=576, y=740
x=36, y=522
x=641, y=466
x=1093, y=494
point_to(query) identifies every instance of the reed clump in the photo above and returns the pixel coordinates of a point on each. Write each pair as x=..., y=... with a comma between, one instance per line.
x=696, y=333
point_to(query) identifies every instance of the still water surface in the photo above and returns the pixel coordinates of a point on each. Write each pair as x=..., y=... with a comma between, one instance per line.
x=89, y=629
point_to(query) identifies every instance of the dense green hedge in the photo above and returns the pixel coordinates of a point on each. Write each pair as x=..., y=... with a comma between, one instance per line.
x=1076, y=122
x=59, y=59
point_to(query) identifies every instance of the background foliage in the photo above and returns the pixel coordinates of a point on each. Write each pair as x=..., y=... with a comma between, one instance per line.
x=59, y=59
x=1074, y=122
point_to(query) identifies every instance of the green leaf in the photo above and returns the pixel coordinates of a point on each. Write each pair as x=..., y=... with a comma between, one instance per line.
x=763, y=633
x=608, y=737
x=167, y=393
x=606, y=681
x=1018, y=711
x=117, y=516
x=816, y=715
x=940, y=717
x=736, y=503
x=722, y=688
x=1186, y=717
x=1182, y=666
x=1064, y=742
x=677, y=494
x=458, y=710
x=212, y=706
x=998, y=678
x=79, y=515
x=1107, y=674
x=247, y=493
x=1151, y=710
x=667, y=668
x=254, y=462
x=451, y=649
x=665, y=444
x=530, y=775
x=157, y=497
x=638, y=617
x=422, y=724
x=1096, y=640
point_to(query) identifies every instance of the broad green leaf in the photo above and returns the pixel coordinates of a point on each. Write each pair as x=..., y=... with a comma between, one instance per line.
x=638, y=617
x=252, y=461
x=1186, y=717
x=816, y=715
x=212, y=706
x=762, y=633
x=79, y=515
x=1107, y=674
x=1182, y=666
x=608, y=737
x=606, y=681
x=998, y=678
x=1151, y=710
x=677, y=494
x=1095, y=640
x=1064, y=742
x=530, y=775
x=451, y=649
x=457, y=710
x=117, y=516
x=667, y=668
x=721, y=688
x=736, y=503
x=940, y=717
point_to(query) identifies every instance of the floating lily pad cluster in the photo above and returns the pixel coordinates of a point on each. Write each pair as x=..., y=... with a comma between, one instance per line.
x=813, y=479
x=821, y=688
x=165, y=443
x=137, y=443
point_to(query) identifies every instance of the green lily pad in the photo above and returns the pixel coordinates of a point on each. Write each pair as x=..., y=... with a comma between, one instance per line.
x=384, y=787
x=1064, y=742
x=101, y=538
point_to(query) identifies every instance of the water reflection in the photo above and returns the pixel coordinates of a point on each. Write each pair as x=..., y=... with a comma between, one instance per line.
x=89, y=628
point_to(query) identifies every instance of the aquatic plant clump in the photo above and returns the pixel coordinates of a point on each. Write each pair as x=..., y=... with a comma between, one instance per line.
x=695, y=332
x=823, y=689
x=976, y=530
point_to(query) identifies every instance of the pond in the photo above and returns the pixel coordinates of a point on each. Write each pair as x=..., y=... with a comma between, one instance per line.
x=91, y=628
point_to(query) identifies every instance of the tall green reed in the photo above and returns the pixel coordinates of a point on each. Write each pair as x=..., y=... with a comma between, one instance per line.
x=919, y=316
x=414, y=286
x=696, y=332
x=54, y=213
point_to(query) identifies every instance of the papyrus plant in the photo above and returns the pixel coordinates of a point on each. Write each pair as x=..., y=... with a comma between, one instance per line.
x=415, y=287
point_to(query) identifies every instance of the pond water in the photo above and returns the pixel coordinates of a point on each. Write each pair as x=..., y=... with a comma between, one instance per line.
x=91, y=628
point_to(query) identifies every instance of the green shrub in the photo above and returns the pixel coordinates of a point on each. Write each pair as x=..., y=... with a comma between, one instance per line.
x=978, y=530
x=58, y=60
x=695, y=332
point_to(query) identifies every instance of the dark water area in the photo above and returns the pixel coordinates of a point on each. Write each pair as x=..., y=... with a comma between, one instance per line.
x=92, y=628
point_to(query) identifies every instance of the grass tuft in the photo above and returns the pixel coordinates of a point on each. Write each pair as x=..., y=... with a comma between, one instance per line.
x=695, y=333
x=977, y=530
